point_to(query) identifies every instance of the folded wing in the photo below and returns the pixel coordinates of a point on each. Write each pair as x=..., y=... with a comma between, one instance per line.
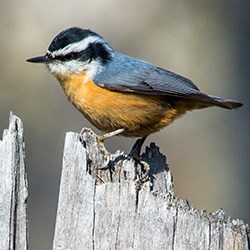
x=127, y=74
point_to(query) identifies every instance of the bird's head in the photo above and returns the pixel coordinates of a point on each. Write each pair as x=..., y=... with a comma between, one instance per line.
x=76, y=51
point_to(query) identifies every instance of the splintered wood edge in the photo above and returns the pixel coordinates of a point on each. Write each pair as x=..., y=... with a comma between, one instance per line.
x=80, y=193
x=14, y=187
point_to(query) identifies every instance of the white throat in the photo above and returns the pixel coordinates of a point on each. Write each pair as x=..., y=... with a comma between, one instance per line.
x=76, y=67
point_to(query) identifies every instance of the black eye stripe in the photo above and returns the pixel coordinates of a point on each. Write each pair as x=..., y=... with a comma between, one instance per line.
x=70, y=56
x=67, y=57
x=86, y=54
x=94, y=51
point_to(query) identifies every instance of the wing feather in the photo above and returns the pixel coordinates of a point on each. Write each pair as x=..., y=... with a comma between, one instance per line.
x=128, y=74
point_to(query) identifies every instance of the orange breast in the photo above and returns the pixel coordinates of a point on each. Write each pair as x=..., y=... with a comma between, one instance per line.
x=140, y=115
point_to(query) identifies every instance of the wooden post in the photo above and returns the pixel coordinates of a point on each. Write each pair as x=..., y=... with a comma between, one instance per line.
x=13, y=188
x=110, y=201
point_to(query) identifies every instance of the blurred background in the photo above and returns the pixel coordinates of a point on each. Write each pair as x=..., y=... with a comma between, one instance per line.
x=206, y=41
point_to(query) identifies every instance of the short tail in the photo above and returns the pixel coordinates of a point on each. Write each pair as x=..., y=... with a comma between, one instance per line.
x=225, y=103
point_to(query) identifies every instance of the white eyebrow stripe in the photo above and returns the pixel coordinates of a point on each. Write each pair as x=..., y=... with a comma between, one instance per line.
x=75, y=47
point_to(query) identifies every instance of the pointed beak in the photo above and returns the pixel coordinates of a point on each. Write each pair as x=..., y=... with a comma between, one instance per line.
x=39, y=59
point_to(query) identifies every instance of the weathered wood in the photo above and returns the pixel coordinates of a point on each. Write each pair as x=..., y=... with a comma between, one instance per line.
x=13, y=188
x=110, y=201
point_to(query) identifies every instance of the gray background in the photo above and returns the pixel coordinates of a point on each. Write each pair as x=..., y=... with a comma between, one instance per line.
x=206, y=41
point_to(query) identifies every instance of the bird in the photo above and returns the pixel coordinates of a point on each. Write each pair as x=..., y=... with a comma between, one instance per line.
x=117, y=93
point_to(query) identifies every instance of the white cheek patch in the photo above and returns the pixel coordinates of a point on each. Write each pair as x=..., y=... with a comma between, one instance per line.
x=57, y=67
x=76, y=67
x=92, y=69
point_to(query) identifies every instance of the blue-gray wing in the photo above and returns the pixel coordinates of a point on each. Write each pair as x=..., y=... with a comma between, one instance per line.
x=128, y=74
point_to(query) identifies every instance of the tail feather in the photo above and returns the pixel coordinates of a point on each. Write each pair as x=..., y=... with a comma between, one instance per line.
x=226, y=103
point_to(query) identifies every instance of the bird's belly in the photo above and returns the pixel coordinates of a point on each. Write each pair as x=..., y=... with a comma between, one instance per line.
x=140, y=115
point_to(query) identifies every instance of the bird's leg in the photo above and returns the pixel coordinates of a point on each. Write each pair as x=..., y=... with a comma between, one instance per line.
x=102, y=138
x=143, y=168
x=136, y=149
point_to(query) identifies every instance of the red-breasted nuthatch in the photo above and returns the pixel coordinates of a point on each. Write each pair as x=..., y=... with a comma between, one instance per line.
x=116, y=92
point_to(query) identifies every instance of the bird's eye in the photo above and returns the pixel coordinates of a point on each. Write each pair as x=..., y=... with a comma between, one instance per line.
x=48, y=55
x=69, y=56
